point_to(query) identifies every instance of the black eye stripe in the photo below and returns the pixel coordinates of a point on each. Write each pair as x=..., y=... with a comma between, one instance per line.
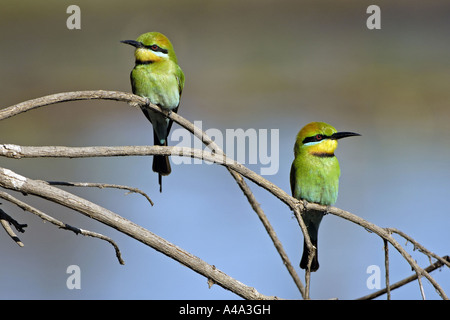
x=315, y=138
x=156, y=48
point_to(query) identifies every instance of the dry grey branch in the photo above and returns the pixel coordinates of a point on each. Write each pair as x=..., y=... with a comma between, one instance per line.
x=101, y=186
x=381, y=232
x=60, y=224
x=265, y=221
x=13, y=181
x=386, y=267
x=18, y=152
x=239, y=168
x=6, y=221
x=136, y=101
x=429, y=269
x=217, y=156
x=420, y=247
x=69, y=96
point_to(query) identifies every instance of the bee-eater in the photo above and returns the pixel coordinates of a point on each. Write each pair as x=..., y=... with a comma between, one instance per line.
x=315, y=175
x=157, y=77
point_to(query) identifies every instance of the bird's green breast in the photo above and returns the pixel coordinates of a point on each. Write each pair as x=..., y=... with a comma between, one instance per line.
x=160, y=83
x=315, y=179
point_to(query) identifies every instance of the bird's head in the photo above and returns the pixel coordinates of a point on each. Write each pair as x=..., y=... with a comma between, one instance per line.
x=319, y=139
x=152, y=47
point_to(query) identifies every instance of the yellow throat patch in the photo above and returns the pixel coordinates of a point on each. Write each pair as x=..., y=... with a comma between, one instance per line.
x=146, y=55
x=323, y=148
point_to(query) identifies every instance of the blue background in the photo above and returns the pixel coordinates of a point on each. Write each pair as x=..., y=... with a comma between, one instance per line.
x=248, y=64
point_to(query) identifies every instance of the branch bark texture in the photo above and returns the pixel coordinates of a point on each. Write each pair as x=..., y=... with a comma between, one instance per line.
x=13, y=181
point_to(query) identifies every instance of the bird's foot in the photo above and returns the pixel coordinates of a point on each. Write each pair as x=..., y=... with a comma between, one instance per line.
x=167, y=113
x=304, y=203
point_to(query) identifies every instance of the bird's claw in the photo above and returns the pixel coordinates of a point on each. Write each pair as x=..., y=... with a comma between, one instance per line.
x=167, y=113
x=304, y=203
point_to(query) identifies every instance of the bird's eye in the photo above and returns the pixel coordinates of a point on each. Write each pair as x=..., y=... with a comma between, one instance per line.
x=316, y=138
x=154, y=47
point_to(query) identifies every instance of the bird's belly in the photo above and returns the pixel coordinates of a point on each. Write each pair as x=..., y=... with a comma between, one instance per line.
x=167, y=99
x=162, y=90
x=325, y=194
x=319, y=184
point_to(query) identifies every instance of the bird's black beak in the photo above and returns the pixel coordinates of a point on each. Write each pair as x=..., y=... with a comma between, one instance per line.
x=133, y=43
x=340, y=135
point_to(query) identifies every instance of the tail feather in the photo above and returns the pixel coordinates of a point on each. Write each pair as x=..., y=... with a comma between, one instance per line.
x=315, y=260
x=312, y=219
x=161, y=164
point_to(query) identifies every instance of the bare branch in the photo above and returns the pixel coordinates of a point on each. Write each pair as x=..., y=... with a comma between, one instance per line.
x=381, y=232
x=293, y=203
x=407, y=280
x=59, y=223
x=311, y=248
x=265, y=221
x=386, y=267
x=25, y=106
x=136, y=101
x=419, y=279
x=420, y=247
x=101, y=186
x=13, y=181
x=6, y=221
x=18, y=152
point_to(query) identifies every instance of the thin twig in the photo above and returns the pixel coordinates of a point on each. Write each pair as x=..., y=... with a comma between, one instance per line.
x=398, y=284
x=311, y=248
x=59, y=223
x=420, y=247
x=386, y=267
x=101, y=186
x=256, y=207
x=381, y=232
x=419, y=279
x=217, y=151
x=6, y=220
x=70, y=96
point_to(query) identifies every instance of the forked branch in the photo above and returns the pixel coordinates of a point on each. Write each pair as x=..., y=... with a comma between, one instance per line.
x=13, y=181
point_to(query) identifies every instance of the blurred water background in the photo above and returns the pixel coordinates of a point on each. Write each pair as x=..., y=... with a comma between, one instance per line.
x=251, y=65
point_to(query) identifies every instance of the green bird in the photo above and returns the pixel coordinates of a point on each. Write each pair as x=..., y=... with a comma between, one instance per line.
x=314, y=176
x=157, y=77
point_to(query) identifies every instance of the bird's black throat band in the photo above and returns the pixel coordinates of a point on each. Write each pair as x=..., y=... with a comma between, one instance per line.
x=323, y=154
x=138, y=63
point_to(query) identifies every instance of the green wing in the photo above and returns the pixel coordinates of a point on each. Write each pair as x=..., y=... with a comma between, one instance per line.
x=180, y=79
x=292, y=179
